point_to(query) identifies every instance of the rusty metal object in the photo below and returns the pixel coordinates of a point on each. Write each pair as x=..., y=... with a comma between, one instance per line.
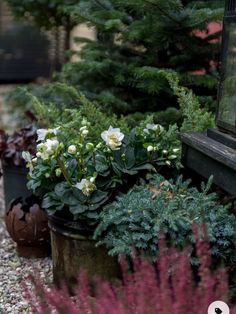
x=27, y=225
x=72, y=252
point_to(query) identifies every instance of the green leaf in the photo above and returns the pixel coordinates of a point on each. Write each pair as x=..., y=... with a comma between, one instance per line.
x=129, y=157
x=61, y=188
x=49, y=202
x=70, y=199
x=116, y=168
x=98, y=196
x=130, y=172
x=101, y=163
x=78, y=209
x=79, y=195
x=144, y=167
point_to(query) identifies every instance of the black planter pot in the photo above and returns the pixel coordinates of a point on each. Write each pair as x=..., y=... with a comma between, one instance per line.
x=73, y=250
x=14, y=183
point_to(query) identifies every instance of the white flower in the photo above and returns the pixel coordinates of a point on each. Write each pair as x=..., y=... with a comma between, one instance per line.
x=42, y=133
x=113, y=137
x=153, y=127
x=72, y=149
x=47, y=149
x=86, y=186
x=51, y=145
x=150, y=148
x=165, y=151
x=39, y=154
x=168, y=163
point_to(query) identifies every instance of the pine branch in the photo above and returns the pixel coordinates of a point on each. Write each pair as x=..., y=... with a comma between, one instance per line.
x=163, y=12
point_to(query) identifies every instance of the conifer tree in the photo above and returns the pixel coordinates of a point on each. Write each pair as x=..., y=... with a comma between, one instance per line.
x=137, y=38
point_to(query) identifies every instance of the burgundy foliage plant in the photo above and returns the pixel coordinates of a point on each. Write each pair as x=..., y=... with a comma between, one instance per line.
x=168, y=287
x=12, y=146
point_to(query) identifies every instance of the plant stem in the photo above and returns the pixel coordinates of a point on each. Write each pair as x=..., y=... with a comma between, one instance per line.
x=94, y=159
x=64, y=171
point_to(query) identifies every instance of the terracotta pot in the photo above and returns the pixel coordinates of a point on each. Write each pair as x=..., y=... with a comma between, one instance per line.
x=73, y=250
x=27, y=225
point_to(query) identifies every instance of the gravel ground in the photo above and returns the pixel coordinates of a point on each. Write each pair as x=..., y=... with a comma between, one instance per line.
x=14, y=269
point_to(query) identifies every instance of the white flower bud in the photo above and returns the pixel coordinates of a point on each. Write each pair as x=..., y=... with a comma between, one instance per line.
x=58, y=172
x=99, y=145
x=168, y=163
x=92, y=179
x=83, y=128
x=34, y=160
x=89, y=146
x=150, y=148
x=165, y=151
x=72, y=149
x=175, y=150
x=47, y=175
x=85, y=132
x=172, y=157
x=84, y=122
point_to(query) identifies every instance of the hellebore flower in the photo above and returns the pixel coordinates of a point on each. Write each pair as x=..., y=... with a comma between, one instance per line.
x=113, y=138
x=86, y=186
x=43, y=133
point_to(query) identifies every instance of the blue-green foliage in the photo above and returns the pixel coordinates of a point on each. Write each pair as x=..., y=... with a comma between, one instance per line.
x=136, y=220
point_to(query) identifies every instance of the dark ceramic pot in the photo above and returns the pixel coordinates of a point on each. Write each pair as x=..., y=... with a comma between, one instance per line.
x=73, y=250
x=14, y=183
x=27, y=225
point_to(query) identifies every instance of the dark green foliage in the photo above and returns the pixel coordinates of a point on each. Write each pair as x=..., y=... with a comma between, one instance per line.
x=53, y=115
x=51, y=101
x=195, y=118
x=135, y=39
x=44, y=13
x=136, y=220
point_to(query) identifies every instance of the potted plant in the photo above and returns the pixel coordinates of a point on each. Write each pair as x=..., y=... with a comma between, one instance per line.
x=77, y=176
x=13, y=164
x=26, y=221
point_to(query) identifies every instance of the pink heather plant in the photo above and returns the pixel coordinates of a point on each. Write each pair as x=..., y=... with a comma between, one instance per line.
x=165, y=288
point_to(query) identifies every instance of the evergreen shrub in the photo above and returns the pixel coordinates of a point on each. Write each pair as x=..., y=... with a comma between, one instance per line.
x=136, y=220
